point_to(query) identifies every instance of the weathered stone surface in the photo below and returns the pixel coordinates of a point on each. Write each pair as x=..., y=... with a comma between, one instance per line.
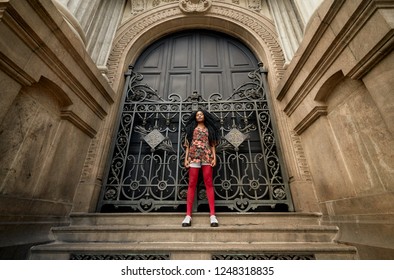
x=53, y=100
x=333, y=105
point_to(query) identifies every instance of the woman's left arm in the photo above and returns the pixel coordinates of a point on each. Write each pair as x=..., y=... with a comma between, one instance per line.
x=213, y=149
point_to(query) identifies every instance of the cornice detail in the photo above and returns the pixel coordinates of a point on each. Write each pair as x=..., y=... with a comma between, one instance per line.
x=78, y=122
x=310, y=118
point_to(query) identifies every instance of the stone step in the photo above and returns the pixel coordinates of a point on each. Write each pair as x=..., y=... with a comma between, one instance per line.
x=285, y=235
x=193, y=250
x=198, y=218
x=196, y=233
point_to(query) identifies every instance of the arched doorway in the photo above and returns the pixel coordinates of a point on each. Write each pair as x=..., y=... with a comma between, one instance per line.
x=174, y=76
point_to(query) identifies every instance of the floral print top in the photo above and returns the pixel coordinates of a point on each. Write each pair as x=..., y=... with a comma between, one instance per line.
x=200, y=149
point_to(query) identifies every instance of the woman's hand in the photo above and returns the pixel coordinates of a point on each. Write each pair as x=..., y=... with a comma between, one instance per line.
x=213, y=162
x=187, y=163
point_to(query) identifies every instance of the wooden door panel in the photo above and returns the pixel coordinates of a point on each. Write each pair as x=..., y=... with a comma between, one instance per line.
x=201, y=61
x=211, y=57
x=153, y=60
x=179, y=83
x=238, y=79
x=182, y=53
x=238, y=58
x=153, y=80
x=211, y=83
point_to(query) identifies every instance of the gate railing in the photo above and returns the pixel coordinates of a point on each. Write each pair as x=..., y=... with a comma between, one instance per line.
x=145, y=172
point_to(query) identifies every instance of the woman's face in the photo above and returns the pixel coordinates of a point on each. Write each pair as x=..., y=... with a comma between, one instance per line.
x=200, y=116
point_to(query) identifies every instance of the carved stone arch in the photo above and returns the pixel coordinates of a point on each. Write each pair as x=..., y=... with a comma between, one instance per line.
x=255, y=30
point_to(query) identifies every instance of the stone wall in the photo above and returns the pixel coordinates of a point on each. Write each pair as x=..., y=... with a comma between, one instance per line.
x=53, y=100
x=337, y=94
x=333, y=105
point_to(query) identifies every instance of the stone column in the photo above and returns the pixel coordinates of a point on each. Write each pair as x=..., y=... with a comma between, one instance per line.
x=70, y=18
x=291, y=17
x=306, y=8
x=83, y=10
x=102, y=31
x=98, y=20
x=288, y=26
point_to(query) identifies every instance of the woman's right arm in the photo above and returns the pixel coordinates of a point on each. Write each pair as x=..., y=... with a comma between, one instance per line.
x=187, y=163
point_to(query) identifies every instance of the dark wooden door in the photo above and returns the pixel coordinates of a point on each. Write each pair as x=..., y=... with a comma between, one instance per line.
x=173, y=77
x=201, y=61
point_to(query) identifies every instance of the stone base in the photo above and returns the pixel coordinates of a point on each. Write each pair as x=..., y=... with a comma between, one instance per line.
x=161, y=236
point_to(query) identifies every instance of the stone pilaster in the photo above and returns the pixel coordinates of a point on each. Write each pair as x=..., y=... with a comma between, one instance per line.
x=306, y=8
x=288, y=26
x=97, y=21
x=291, y=18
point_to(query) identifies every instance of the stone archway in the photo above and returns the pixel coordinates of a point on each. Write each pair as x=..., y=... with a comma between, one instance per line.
x=174, y=76
x=258, y=34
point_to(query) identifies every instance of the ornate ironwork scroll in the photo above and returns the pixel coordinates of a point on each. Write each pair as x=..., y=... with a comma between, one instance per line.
x=77, y=256
x=146, y=172
x=263, y=257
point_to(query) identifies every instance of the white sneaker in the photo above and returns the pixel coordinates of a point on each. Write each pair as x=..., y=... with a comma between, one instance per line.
x=214, y=221
x=187, y=222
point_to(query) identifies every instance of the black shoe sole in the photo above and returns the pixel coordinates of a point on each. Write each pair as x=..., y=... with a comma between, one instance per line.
x=186, y=224
x=214, y=224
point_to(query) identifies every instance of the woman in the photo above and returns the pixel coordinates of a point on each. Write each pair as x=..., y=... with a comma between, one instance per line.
x=202, y=136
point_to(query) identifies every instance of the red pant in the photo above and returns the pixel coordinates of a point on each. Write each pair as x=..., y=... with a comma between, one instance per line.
x=191, y=190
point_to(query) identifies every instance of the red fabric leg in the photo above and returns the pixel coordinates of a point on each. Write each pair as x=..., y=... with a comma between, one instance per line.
x=191, y=189
x=208, y=181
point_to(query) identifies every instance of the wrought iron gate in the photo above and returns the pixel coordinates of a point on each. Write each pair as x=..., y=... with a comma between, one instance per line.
x=146, y=172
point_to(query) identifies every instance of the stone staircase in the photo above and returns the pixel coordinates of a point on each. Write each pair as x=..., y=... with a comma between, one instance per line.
x=160, y=236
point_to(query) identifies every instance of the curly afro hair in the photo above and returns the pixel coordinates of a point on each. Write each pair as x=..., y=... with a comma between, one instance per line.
x=210, y=121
